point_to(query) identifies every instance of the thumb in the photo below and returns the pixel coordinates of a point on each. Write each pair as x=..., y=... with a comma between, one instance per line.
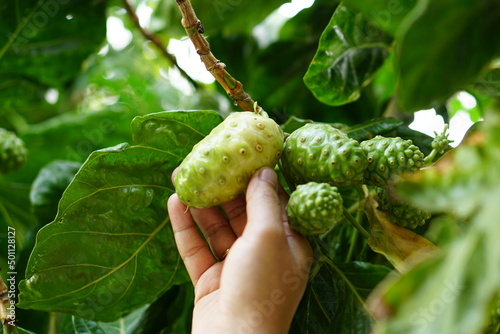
x=263, y=204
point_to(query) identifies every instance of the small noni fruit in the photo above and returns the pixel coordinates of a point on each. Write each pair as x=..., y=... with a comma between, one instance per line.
x=220, y=166
x=12, y=152
x=314, y=208
x=403, y=213
x=321, y=153
x=388, y=157
x=441, y=143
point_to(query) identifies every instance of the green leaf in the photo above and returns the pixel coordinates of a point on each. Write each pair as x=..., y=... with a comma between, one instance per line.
x=14, y=212
x=61, y=34
x=110, y=249
x=385, y=80
x=432, y=69
x=363, y=276
x=423, y=141
x=348, y=55
x=359, y=132
x=332, y=303
x=125, y=325
x=115, y=206
x=488, y=83
x=387, y=14
x=373, y=128
x=276, y=82
x=293, y=123
x=49, y=186
x=44, y=45
x=171, y=313
x=234, y=16
x=176, y=130
x=71, y=137
x=22, y=96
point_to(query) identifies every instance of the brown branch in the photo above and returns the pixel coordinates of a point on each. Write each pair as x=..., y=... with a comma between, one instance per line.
x=195, y=31
x=156, y=42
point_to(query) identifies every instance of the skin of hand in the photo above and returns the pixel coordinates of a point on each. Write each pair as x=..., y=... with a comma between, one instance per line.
x=257, y=287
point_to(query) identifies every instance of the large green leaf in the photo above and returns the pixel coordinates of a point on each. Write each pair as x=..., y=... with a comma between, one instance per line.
x=387, y=14
x=277, y=83
x=350, y=51
x=442, y=47
x=68, y=137
x=110, y=249
x=333, y=301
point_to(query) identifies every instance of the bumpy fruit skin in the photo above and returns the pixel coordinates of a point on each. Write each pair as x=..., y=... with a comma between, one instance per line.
x=12, y=152
x=441, y=143
x=220, y=166
x=314, y=208
x=388, y=157
x=321, y=153
x=403, y=214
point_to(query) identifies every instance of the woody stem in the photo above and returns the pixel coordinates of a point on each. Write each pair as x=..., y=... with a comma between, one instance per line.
x=195, y=30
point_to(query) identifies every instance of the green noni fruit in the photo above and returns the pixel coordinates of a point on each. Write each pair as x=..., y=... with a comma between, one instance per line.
x=314, y=208
x=403, y=213
x=441, y=143
x=388, y=157
x=322, y=153
x=12, y=152
x=220, y=166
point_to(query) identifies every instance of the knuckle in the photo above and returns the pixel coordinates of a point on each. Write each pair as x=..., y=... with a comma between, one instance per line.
x=214, y=228
x=191, y=252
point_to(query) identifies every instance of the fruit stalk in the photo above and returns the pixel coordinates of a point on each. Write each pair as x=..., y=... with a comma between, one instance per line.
x=195, y=31
x=355, y=223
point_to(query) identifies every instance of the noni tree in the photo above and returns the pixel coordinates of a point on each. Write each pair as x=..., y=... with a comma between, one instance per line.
x=101, y=101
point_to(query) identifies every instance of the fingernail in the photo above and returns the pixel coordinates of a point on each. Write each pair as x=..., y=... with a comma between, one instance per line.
x=268, y=175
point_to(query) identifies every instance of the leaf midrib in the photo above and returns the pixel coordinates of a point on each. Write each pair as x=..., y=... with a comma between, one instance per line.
x=94, y=282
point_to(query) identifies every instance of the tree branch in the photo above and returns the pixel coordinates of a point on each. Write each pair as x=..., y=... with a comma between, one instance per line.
x=195, y=31
x=156, y=42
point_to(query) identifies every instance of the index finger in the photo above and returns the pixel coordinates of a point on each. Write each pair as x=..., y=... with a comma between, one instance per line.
x=192, y=247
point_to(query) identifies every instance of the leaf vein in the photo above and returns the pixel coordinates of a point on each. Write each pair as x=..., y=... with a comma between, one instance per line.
x=115, y=269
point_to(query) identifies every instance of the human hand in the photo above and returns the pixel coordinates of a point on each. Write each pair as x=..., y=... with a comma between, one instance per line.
x=257, y=287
